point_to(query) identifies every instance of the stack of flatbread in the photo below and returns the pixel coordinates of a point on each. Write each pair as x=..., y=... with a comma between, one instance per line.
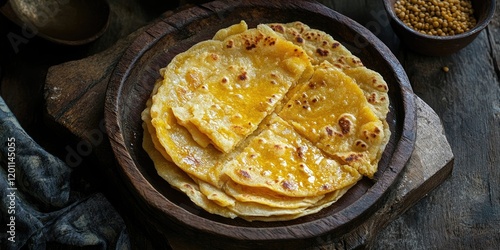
x=270, y=123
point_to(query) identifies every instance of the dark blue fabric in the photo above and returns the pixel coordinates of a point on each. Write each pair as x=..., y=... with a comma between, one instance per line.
x=37, y=204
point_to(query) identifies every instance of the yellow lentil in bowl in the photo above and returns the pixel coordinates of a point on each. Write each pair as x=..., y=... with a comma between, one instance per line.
x=436, y=17
x=454, y=29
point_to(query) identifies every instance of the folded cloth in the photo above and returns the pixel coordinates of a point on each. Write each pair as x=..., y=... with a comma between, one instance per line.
x=37, y=203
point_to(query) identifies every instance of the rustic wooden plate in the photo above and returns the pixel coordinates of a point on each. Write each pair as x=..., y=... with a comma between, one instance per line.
x=171, y=211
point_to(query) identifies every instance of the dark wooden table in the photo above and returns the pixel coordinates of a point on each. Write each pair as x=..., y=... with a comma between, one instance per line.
x=462, y=213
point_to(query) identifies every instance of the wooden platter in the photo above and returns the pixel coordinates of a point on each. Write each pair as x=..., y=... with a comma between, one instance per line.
x=171, y=211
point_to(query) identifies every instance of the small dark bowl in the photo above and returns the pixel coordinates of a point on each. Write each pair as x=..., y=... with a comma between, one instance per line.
x=441, y=45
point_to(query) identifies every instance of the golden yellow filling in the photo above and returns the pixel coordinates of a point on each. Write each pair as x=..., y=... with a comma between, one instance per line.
x=284, y=162
x=332, y=112
x=270, y=123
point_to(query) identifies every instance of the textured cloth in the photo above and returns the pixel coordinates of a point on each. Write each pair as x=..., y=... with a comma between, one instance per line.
x=37, y=204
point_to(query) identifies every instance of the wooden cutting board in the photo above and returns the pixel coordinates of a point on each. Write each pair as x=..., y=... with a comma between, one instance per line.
x=75, y=96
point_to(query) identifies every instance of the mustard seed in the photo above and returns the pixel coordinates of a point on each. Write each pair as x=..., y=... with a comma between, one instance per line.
x=436, y=17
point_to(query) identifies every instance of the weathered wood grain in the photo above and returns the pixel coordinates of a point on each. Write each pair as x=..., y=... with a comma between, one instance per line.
x=83, y=83
x=464, y=212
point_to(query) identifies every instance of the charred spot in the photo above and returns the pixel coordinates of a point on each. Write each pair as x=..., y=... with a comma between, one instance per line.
x=250, y=46
x=224, y=80
x=245, y=174
x=229, y=44
x=377, y=131
x=353, y=157
x=269, y=40
x=300, y=151
x=243, y=76
x=335, y=45
x=355, y=61
x=345, y=125
x=299, y=39
x=312, y=85
x=322, y=52
x=372, y=98
x=278, y=28
x=361, y=144
x=325, y=43
x=329, y=131
x=289, y=185
x=365, y=133
x=315, y=34
x=368, y=134
x=326, y=186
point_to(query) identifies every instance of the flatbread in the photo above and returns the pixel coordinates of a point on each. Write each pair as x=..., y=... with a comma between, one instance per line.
x=322, y=47
x=177, y=178
x=331, y=111
x=270, y=123
x=233, y=77
x=283, y=161
x=214, y=77
x=318, y=45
